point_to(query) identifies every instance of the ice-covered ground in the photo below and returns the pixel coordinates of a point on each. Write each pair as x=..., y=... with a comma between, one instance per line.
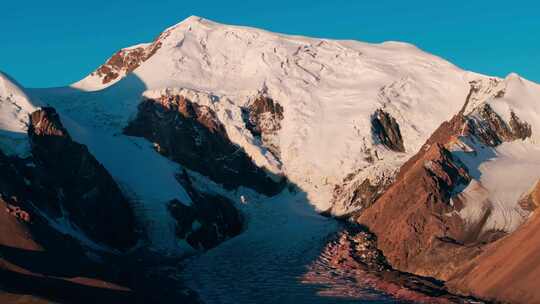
x=269, y=261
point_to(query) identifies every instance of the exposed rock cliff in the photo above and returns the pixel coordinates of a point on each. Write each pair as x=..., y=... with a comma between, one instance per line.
x=69, y=183
x=414, y=220
x=357, y=195
x=193, y=136
x=210, y=220
x=121, y=64
x=263, y=118
x=386, y=129
x=487, y=125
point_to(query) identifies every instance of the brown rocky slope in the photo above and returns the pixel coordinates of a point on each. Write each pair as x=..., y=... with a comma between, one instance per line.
x=418, y=228
x=413, y=219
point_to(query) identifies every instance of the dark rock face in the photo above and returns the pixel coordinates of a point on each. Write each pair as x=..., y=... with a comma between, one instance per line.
x=386, y=129
x=41, y=264
x=26, y=231
x=209, y=221
x=16, y=215
x=67, y=181
x=446, y=171
x=520, y=129
x=192, y=135
x=263, y=119
x=493, y=130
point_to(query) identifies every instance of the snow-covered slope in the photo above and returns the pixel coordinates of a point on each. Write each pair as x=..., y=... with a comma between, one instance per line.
x=503, y=174
x=14, y=110
x=146, y=178
x=329, y=91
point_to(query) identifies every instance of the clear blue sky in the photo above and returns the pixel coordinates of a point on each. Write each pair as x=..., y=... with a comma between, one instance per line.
x=56, y=42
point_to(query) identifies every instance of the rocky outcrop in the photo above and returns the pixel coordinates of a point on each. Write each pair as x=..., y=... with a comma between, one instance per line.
x=193, y=136
x=15, y=216
x=360, y=189
x=531, y=201
x=487, y=125
x=68, y=182
x=386, y=130
x=354, y=195
x=125, y=61
x=263, y=119
x=414, y=220
x=209, y=221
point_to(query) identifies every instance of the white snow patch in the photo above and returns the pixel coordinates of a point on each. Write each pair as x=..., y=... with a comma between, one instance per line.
x=15, y=106
x=502, y=176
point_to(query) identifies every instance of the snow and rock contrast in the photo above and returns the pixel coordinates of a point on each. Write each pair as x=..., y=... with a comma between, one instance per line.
x=192, y=135
x=326, y=94
x=81, y=192
x=213, y=132
x=466, y=191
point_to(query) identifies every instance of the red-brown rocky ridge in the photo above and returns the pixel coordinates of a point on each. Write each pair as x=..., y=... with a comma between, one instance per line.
x=419, y=232
x=413, y=219
x=126, y=61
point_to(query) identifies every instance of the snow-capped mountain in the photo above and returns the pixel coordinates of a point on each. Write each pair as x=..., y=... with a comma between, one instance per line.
x=329, y=90
x=190, y=132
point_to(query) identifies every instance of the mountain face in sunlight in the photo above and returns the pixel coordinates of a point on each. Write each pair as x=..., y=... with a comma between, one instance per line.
x=212, y=164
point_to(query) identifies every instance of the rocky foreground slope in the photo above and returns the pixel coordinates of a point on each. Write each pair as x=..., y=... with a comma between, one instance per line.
x=162, y=152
